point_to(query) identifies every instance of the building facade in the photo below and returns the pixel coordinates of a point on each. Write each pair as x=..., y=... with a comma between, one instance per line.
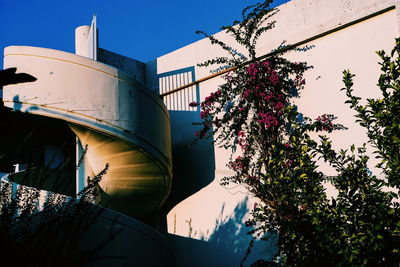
x=169, y=192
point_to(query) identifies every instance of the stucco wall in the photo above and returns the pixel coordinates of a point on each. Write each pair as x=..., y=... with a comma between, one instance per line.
x=124, y=124
x=352, y=47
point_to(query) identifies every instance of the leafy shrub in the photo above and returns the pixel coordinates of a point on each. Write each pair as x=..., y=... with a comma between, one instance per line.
x=252, y=113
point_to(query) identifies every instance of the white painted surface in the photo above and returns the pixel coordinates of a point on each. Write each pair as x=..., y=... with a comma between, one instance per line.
x=81, y=40
x=86, y=42
x=351, y=48
x=84, y=91
x=110, y=106
x=92, y=39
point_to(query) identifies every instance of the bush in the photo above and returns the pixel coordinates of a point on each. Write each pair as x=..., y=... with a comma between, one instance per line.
x=252, y=113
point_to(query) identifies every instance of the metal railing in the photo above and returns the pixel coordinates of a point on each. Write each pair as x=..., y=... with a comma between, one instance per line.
x=281, y=50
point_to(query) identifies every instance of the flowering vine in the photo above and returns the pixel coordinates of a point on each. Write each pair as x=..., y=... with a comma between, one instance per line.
x=253, y=114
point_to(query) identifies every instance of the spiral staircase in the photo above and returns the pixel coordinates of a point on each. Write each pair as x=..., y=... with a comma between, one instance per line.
x=122, y=123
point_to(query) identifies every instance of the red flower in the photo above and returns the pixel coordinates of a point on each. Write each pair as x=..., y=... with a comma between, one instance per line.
x=246, y=93
x=204, y=114
x=252, y=70
x=273, y=78
x=193, y=104
x=268, y=119
x=279, y=106
x=324, y=122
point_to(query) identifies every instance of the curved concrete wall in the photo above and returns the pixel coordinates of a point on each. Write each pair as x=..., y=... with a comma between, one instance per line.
x=135, y=243
x=109, y=111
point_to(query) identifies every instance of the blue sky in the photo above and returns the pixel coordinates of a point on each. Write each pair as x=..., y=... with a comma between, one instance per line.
x=139, y=29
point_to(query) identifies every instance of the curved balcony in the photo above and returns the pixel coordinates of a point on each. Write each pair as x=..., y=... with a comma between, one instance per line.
x=122, y=122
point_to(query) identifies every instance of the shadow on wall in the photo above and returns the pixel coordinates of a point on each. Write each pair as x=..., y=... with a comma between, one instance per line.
x=227, y=244
x=193, y=165
x=198, y=253
x=38, y=146
x=230, y=233
x=18, y=105
x=132, y=67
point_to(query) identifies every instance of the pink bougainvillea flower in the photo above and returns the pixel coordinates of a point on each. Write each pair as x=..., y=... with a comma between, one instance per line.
x=246, y=93
x=273, y=78
x=252, y=70
x=268, y=119
x=193, y=104
x=267, y=96
x=204, y=114
x=238, y=164
x=324, y=122
x=279, y=106
x=266, y=64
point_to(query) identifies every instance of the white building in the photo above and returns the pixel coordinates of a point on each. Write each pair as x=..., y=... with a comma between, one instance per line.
x=110, y=103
